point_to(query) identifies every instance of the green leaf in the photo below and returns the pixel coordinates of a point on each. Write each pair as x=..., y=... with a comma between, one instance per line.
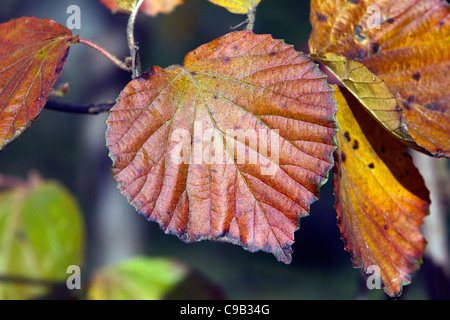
x=41, y=234
x=142, y=278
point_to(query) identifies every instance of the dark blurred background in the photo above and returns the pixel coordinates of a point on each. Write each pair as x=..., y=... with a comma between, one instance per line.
x=71, y=149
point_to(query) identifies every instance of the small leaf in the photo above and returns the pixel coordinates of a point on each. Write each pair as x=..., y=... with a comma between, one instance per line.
x=149, y=7
x=405, y=43
x=371, y=92
x=32, y=55
x=381, y=198
x=233, y=146
x=143, y=278
x=41, y=234
x=127, y=5
x=237, y=6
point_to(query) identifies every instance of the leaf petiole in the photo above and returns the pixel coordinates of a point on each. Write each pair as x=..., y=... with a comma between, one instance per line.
x=134, y=49
x=122, y=65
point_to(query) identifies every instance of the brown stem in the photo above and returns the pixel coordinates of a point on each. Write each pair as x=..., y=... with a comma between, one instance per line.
x=122, y=65
x=79, y=109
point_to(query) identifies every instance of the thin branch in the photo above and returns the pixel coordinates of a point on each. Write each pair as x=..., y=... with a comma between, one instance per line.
x=122, y=65
x=79, y=109
x=134, y=49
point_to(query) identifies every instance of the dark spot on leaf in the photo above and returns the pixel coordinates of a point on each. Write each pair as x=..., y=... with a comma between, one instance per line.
x=21, y=236
x=226, y=60
x=432, y=106
x=383, y=150
x=390, y=21
x=58, y=69
x=406, y=105
x=321, y=17
x=214, y=170
x=236, y=47
x=359, y=36
x=215, y=97
x=386, y=227
x=375, y=48
x=361, y=54
x=354, y=1
x=371, y=165
x=411, y=99
x=343, y=157
x=194, y=73
x=273, y=53
x=347, y=136
x=416, y=76
x=355, y=145
x=406, y=172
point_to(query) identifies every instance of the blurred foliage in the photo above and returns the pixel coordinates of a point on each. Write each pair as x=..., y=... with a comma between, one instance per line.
x=42, y=233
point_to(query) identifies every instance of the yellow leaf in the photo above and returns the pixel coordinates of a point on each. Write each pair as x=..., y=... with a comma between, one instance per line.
x=237, y=6
x=370, y=90
x=381, y=198
x=127, y=5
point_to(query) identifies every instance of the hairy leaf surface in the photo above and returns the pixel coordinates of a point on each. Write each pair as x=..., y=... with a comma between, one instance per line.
x=233, y=146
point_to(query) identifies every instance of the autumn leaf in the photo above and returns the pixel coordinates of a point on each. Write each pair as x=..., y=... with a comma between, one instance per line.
x=32, y=55
x=381, y=198
x=371, y=91
x=41, y=234
x=237, y=6
x=406, y=44
x=233, y=146
x=150, y=7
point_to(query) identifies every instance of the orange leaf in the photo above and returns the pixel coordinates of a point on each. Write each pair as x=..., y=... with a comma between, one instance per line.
x=233, y=146
x=150, y=7
x=381, y=198
x=32, y=54
x=404, y=42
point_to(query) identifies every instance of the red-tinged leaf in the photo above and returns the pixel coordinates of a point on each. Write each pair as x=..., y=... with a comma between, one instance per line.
x=32, y=54
x=150, y=7
x=271, y=115
x=381, y=198
x=406, y=43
